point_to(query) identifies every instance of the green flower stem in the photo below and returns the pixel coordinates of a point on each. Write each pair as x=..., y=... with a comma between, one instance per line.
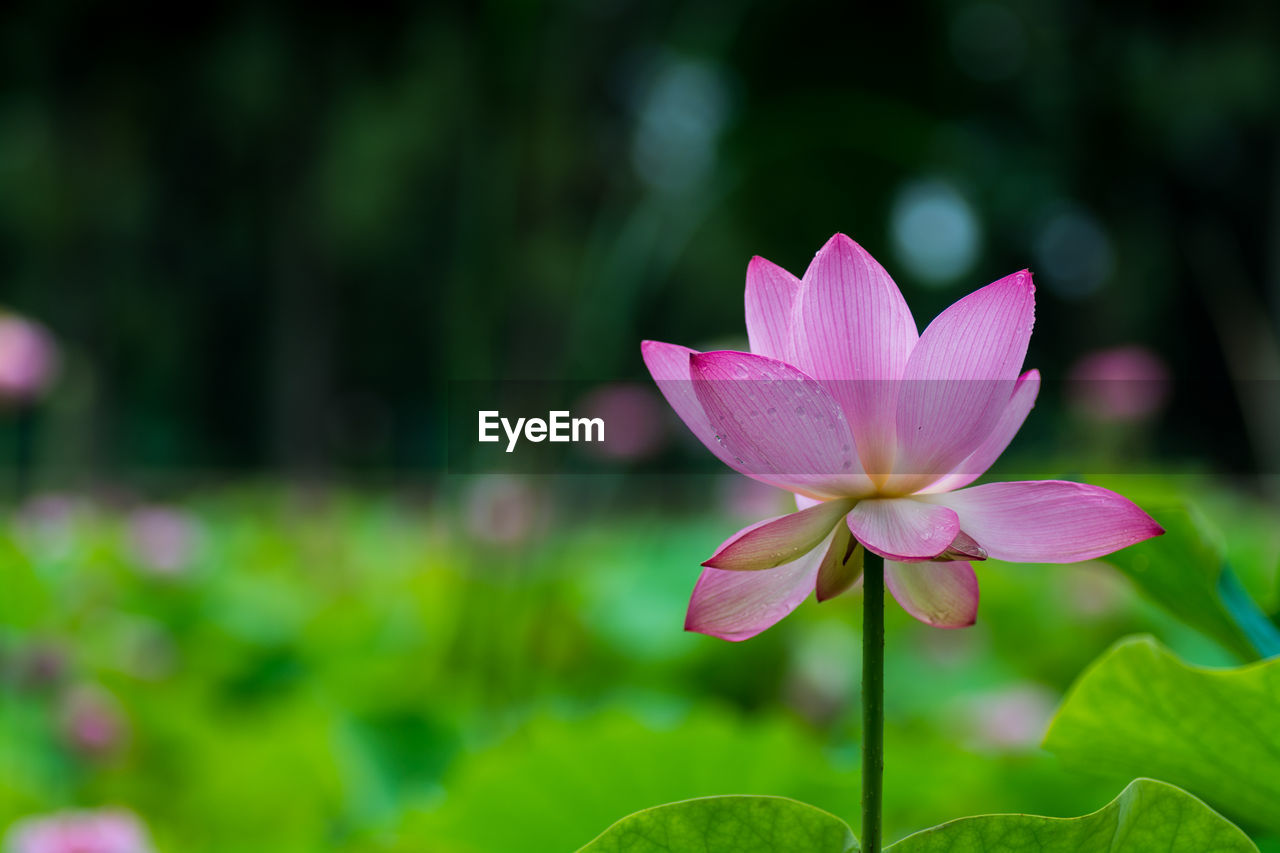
x=872, y=701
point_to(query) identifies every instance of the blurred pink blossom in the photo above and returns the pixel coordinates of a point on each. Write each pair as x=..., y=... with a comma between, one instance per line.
x=503, y=510
x=102, y=831
x=28, y=359
x=92, y=722
x=163, y=540
x=635, y=423
x=1120, y=385
x=1012, y=718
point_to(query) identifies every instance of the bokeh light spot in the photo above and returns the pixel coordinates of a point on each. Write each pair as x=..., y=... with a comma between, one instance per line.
x=935, y=231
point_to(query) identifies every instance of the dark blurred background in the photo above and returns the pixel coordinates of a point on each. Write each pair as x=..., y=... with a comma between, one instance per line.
x=264, y=239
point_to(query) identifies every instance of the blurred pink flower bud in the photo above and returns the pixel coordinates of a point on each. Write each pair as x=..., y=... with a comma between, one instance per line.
x=103, y=831
x=634, y=417
x=163, y=540
x=92, y=722
x=28, y=359
x=1012, y=718
x=503, y=510
x=1120, y=385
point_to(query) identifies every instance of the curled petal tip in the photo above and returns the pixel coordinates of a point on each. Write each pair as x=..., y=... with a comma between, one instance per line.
x=837, y=239
x=1153, y=527
x=963, y=547
x=647, y=347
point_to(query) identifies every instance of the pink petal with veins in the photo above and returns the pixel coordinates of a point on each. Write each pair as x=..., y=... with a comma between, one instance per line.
x=771, y=295
x=1048, y=521
x=738, y=605
x=944, y=595
x=960, y=379
x=775, y=541
x=903, y=529
x=977, y=463
x=777, y=424
x=854, y=332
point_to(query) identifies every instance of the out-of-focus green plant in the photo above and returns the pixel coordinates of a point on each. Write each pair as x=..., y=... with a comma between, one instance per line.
x=340, y=671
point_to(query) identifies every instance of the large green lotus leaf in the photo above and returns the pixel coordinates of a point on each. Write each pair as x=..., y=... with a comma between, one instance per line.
x=1181, y=572
x=1140, y=710
x=1147, y=816
x=735, y=824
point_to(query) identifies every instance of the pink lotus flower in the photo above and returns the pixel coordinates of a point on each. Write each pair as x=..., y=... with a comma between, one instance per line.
x=876, y=429
x=106, y=831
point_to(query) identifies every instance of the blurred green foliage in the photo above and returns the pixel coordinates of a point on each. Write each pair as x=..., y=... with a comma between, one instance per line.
x=375, y=672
